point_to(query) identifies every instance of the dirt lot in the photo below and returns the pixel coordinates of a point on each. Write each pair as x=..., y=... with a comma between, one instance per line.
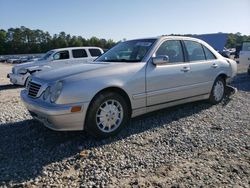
x=192, y=145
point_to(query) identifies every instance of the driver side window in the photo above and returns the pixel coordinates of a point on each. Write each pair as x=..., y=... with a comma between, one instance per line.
x=172, y=49
x=61, y=55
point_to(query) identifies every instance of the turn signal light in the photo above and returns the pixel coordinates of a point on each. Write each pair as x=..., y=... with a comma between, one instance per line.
x=76, y=109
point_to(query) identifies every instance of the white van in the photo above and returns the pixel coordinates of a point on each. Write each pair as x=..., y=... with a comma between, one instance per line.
x=244, y=57
x=52, y=59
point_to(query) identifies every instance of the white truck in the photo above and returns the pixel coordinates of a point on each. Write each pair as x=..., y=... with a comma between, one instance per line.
x=244, y=56
x=52, y=59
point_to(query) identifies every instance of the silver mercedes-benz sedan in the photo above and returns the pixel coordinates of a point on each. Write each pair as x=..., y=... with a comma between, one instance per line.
x=132, y=78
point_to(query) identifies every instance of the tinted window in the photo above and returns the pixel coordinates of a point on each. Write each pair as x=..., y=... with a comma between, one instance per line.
x=79, y=53
x=95, y=52
x=172, y=49
x=208, y=53
x=61, y=55
x=195, y=51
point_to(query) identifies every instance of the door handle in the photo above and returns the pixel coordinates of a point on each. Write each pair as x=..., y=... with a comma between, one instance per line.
x=185, y=69
x=215, y=65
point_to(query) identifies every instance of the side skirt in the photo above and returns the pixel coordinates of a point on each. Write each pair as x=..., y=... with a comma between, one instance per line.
x=140, y=111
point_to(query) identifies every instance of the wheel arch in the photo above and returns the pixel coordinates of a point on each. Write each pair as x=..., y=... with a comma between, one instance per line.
x=114, y=89
x=222, y=75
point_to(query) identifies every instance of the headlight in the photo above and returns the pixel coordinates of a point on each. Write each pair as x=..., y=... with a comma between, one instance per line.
x=46, y=93
x=27, y=82
x=56, y=91
x=22, y=71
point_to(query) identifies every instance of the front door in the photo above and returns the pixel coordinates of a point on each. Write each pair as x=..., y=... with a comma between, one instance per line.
x=168, y=82
x=60, y=59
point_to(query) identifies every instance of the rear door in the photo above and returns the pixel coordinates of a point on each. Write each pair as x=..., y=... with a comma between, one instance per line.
x=204, y=66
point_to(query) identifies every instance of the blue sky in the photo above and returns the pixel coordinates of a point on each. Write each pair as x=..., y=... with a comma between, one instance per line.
x=118, y=19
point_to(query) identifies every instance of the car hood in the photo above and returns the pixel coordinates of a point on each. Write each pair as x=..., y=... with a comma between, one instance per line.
x=29, y=64
x=84, y=71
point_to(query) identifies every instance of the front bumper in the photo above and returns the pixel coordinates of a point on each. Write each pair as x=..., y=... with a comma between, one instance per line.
x=53, y=116
x=18, y=78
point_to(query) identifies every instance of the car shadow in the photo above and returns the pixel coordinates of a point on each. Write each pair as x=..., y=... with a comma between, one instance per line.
x=242, y=82
x=9, y=86
x=27, y=146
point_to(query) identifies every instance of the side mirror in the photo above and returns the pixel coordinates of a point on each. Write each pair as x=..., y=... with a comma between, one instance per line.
x=160, y=60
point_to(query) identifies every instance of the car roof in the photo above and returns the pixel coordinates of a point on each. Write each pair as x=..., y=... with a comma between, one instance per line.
x=75, y=48
x=171, y=37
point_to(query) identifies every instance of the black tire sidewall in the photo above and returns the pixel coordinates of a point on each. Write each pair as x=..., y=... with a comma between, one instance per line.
x=212, y=98
x=90, y=123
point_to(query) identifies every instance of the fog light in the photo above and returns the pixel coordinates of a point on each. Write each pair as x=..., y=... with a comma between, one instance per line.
x=76, y=109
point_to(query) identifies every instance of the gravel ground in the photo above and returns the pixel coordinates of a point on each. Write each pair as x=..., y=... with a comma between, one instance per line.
x=192, y=145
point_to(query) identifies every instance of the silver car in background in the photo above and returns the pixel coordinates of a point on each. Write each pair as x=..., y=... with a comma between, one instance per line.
x=132, y=78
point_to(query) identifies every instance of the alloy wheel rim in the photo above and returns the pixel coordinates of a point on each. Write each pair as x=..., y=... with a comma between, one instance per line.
x=109, y=115
x=218, y=90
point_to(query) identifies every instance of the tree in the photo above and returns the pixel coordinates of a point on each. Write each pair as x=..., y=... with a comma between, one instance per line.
x=24, y=41
x=3, y=35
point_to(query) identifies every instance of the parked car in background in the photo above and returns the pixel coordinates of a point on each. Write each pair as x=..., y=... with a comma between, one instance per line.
x=3, y=59
x=237, y=51
x=13, y=60
x=132, y=78
x=52, y=59
x=225, y=53
x=248, y=70
x=244, y=57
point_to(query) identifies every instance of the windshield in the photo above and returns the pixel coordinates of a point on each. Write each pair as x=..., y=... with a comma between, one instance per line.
x=47, y=55
x=128, y=51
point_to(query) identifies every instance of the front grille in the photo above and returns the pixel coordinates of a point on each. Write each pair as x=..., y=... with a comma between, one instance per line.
x=33, y=89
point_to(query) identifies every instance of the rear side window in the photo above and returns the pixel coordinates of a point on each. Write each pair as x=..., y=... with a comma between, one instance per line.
x=61, y=55
x=172, y=49
x=95, y=52
x=195, y=51
x=208, y=53
x=79, y=53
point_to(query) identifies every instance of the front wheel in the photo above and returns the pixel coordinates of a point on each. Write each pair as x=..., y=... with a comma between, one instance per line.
x=107, y=114
x=218, y=91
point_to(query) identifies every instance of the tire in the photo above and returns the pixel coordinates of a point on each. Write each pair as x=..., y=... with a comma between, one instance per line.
x=218, y=91
x=107, y=115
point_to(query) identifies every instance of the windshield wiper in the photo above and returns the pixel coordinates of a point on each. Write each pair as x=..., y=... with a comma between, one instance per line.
x=121, y=60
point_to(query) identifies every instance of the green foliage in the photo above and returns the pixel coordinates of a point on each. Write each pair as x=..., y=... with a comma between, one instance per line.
x=2, y=40
x=236, y=40
x=25, y=41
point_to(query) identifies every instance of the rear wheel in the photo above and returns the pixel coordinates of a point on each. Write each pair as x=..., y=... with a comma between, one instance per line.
x=107, y=114
x=218, y=91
